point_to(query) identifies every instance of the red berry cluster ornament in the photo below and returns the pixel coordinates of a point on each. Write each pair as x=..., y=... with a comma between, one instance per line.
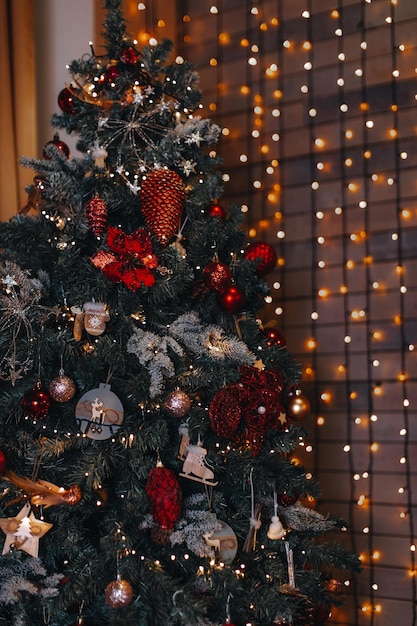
x=263, y=255
x=162, y=198
x=217, y=276
x=164, y=495
x=61, y=145
x=96, y=215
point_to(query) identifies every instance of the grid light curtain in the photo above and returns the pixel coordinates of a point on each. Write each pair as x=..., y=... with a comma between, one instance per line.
x=317, y=102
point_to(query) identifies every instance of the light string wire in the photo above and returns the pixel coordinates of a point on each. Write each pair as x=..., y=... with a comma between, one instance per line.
x=314, y=242
x=248, y=109
x=262, y=103
x=370, y=401
x=280, y=121
x=345, y=296
x=402, y=295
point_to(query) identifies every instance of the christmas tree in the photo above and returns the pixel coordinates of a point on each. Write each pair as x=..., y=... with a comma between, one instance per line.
x=148, y=414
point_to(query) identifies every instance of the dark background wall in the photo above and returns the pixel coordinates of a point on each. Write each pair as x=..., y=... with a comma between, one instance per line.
x=318, y=105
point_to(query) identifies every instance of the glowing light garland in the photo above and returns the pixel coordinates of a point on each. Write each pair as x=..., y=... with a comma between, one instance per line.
x=352, y=225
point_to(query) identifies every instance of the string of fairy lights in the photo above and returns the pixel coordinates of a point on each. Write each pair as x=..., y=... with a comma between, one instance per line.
x=359, y=163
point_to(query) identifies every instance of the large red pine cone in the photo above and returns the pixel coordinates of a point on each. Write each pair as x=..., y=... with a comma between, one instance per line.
x=162, y=198
x=96, y=216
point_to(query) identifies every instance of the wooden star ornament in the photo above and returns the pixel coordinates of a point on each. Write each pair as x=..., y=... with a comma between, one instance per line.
x=23, y=531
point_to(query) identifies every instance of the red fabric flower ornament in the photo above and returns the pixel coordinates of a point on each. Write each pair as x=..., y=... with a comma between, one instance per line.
x=129, y=260
x=253, y=403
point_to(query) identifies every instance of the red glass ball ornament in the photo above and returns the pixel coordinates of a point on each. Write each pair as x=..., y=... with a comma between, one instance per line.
x=111, y=73
x=129, y=55
x=274, y=336
x=217, y=276
x=66, y=101
x=321, y=614
x=231, y=299
x=286, y=499
x=36, y=402
x=298, y=406
x=61, y=145
x=118, y=593
x=3, y=462
x=62, y=388
x=263, y=255
x=177, y=403
x=216, y=210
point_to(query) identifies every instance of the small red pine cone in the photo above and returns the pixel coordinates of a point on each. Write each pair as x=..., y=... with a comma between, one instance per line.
x=162, y=198
x=96, y=216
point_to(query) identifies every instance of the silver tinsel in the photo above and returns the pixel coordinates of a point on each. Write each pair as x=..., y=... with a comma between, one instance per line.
x=209, y=340
x=26, y=577
x=152, y=352
x=194, y=524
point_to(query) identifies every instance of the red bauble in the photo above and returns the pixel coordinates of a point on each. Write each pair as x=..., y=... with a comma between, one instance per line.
x=216, y=210
x=129, y=55
x=66, y=101
x=96, y=215
x=162, y=198
x=111, y=73
x=164, y=495
x=3, y=462
x=297, y=406
x=118, y=593
x=231, y=299
x=61, y=145
x=217, y=276
x=286, y=499
x=274, y=336
x=36, y=402
x=321, y=614
x=263, y=255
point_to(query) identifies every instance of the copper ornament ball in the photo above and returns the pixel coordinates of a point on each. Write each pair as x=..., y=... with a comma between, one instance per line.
x=62, y=388
x=298, y=406
x=177, y=403
x=118, y=594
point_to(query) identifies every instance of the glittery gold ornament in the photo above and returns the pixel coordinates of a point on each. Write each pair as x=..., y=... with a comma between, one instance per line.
x=62, y=388
x=119, y=593
x=177, y=403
